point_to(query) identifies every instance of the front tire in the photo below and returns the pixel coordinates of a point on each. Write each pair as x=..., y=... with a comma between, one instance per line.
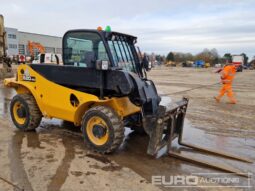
x=103, y=130
x=25, y=113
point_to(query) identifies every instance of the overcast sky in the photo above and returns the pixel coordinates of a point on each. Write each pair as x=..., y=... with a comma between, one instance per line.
x=161, y=25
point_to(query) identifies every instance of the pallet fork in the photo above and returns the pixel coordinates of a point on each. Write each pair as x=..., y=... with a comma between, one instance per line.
x=169, y=126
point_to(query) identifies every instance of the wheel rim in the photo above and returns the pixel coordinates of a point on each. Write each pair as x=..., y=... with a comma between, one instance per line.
x=19, y=113
x=94, y=125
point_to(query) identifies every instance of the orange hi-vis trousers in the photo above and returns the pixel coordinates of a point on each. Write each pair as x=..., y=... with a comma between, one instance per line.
x=227, y=88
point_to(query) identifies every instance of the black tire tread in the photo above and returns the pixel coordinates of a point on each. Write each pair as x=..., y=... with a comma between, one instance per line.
x=117, y=125
x=35, y=115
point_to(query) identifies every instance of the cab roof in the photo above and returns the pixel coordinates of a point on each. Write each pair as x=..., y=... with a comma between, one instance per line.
x=130, y=37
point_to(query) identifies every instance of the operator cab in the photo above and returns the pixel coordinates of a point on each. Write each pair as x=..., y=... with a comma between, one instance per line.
x=101, y=50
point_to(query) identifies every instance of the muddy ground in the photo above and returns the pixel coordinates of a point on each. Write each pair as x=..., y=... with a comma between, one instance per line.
x=54, y=158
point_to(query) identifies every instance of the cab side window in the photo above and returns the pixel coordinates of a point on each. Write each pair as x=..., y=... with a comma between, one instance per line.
x=83, y=49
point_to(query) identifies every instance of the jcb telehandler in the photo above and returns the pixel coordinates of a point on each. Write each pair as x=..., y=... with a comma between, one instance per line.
x=101, y=87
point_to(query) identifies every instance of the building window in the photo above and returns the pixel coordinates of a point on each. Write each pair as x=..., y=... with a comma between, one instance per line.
x=21, y=49
x=13, y=46
x=13, y=36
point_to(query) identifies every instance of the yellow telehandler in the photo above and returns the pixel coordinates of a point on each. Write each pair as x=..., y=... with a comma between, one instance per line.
x=102, y=86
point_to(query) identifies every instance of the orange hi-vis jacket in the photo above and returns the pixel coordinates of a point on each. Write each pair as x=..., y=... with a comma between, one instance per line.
x=228, y=74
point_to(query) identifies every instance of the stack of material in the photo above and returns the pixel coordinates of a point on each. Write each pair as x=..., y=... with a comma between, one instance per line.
x=2, y=39
x=5, y=65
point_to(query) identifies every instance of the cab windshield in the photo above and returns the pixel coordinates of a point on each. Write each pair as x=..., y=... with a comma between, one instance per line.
x=123, y=53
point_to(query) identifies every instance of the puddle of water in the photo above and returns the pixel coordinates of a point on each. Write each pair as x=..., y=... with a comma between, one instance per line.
x=62, y=171
x=18, y=173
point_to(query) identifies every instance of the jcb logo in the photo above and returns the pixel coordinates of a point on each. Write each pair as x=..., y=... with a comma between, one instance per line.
x=26, y=76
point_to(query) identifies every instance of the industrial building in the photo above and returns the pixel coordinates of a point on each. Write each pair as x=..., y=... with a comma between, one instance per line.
x=17, y=42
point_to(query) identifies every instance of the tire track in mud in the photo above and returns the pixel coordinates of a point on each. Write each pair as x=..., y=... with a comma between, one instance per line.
x=62, y=171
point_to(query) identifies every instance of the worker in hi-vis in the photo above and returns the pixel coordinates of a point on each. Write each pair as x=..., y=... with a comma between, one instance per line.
x=227, y=76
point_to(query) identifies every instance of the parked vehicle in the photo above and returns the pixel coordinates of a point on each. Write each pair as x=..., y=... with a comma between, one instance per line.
x=48, y=58
x=207, y=65
x=217, y=65
x=199, y=63
x=238, y=60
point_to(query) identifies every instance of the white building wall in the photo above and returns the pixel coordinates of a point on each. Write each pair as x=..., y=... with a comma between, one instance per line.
x=51, y=43
x=12, y=41
x=18, y=45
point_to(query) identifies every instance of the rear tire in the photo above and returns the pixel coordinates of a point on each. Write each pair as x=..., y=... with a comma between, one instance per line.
x=103, y=130
x=25, y=113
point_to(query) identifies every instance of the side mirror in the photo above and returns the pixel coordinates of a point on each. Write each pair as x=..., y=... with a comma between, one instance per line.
x=102, y=65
